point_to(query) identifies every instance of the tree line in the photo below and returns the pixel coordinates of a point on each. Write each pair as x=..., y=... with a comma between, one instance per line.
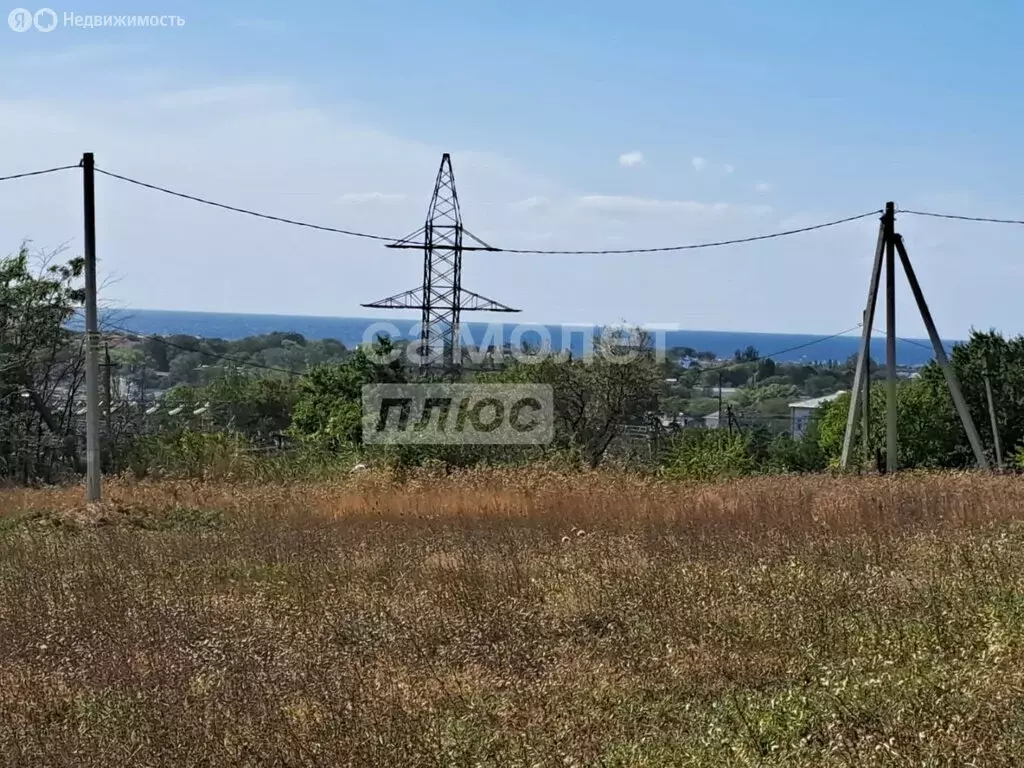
x=243, y=399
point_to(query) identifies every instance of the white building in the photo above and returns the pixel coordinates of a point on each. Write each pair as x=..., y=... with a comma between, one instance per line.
x=800, y=413
x=714, y=420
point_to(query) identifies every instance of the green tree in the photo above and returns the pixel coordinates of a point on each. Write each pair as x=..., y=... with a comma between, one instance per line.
x=748, y=355
x=765, y=369
x=156, y=351
x=255, y=406
x=929, y=434
x=930, y=431
x=595, y=397
x=328, y=409
x=1004, y=360
x=40, y=364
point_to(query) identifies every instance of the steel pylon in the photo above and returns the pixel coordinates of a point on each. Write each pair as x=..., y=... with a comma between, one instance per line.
x=441, y=298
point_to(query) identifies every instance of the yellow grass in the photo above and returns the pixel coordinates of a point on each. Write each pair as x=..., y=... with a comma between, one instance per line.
x=515, y=618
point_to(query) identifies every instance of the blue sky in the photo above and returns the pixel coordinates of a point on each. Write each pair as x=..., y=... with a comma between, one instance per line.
x=571, y=125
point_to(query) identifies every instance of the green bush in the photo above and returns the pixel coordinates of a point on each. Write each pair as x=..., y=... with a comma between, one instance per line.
x=709, y=455
x=188, y=454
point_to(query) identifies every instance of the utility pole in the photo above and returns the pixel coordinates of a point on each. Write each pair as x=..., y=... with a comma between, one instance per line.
x=866, y=436
x=952, y=382
x=109, y=405
x=863, y=370
x=719, y=399
x=995, y=422
x=890, y=243
x=142, y=400
x=891, y=443
x=92, y=394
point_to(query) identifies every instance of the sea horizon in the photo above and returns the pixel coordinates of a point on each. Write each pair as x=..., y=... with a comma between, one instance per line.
x=350, y=331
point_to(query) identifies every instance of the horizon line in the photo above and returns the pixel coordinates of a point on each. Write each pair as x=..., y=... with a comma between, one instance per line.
x=677, y=328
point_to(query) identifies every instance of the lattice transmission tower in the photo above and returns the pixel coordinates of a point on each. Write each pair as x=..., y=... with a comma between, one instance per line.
x=441, y=298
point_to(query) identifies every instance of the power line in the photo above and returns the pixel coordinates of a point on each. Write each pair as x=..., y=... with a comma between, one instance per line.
x=798, y=347
x=247, y=212
x=38, y=173
x=959, y=217
x=214, y=355
x=263, y=366
x=660, y=249
x=352, y=233
x=694, y=246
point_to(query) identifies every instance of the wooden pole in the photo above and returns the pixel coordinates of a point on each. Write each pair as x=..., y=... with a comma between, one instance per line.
x=866, y=408
x=995, y=422
x=108, y=410
x=719, y=399
x=940, y=355
x=92, y=393
x=891, y=441
x=865, y=347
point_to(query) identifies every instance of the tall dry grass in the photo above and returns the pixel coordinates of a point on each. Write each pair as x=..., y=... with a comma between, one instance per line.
x=515, y=619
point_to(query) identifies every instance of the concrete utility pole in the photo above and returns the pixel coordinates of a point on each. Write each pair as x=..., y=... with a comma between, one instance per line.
x=719, y=399
x=889, y=244
x=109, y=405
x=862, y=375
x=891, y=443
x=940, y=356
x=995, y=422
x=92, y=390
x=866, y=363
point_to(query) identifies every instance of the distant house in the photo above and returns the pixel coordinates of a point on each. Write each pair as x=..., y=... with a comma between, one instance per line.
x=680, y=421
x=721, y=391
x=800, y=413
x=714, y=420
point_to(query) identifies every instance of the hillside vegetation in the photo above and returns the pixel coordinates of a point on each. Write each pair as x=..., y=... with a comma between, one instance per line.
x=515, y=619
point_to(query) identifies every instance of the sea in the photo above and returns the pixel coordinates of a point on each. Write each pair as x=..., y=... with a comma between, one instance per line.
x=352, y=331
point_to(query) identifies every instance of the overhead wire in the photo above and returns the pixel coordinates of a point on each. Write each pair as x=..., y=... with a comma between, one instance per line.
x=206, y=353
x=384, y=238
x=959, y=217
x=39, y=173
x=695, y=246
x=779, y=353
x=353, y=233
x=246, y=211
x=621, y=251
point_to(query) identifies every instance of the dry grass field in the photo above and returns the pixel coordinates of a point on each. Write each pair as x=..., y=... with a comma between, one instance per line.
x=515, y=619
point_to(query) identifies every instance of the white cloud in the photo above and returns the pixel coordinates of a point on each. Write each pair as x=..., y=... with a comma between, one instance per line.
x=630, y=159
x=763, y=186
x=620, y=205
x=221, y=154
x=729, y=168
x=699, y=163
x=361, y=198
x=535, y=203
x=211, y=139
x=245, y=93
